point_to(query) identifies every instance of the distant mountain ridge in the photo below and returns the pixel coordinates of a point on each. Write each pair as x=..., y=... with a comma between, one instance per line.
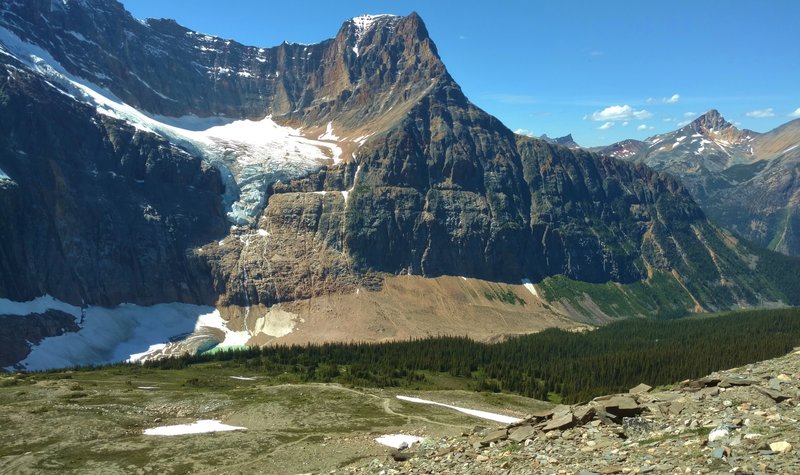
x=744, y=180
x=566, y=141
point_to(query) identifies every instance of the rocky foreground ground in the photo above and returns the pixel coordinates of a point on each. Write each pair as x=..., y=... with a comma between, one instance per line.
x=742, y=420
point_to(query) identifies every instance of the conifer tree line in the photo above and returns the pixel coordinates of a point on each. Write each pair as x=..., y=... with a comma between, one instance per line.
x=553, y=364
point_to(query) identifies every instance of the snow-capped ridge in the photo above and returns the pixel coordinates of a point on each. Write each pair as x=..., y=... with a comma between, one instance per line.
x=364, y=24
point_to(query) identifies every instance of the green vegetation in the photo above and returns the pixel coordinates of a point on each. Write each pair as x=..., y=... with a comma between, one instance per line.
x=782, y=270
x=503, y=294
x=554, y=364
x=661, y=296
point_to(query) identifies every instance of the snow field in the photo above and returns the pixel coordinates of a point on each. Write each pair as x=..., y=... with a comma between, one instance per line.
x=200, y=427
x=472, y=412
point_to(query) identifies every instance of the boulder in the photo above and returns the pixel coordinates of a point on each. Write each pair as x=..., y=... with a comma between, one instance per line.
x=780, y=447
x=564, y=421
x=522, y=433
x=621, y=406
x=640, y=389
x=776, y=396
x=495, y=436
x=583, y=414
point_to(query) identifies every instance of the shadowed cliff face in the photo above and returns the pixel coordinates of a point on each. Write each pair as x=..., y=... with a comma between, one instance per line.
x=96, y=211
x=101, y=212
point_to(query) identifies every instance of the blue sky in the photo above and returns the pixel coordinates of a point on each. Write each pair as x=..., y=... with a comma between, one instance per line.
x=603, y=71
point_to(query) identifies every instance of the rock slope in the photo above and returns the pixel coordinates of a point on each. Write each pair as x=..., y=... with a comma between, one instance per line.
x=743, y=420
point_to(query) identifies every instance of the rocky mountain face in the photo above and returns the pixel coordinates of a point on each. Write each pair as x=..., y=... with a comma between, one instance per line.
x=144, y=163
x=744, y=180
x=94, y=210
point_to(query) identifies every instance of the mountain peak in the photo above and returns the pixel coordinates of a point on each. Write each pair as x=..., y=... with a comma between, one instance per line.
x=367, y=21
x=361, y=31
x=711, y=120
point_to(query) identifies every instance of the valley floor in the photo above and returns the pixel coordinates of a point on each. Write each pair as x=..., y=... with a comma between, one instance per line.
x=94, y=421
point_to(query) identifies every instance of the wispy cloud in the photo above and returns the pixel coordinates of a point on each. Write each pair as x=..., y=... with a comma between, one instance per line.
x=672, y=99
x=645, y=127
x=524, y=132
x=606, y=126
x=596, y=53
x=683, y=122
x=690, y=114
x=761, y=113
x=796, y=113
x=462, y=37
x=615, y=113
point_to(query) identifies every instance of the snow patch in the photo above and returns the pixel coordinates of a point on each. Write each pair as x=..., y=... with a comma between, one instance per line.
x=80, y=37
x=346, y=194
x=785, y=151
x=111, y=335
x=472, y=412
x=328, y=135
x=145, y=355
x=360, y=140
x=37, y=305
x=528, y=285
x=200, y=427
x=214, y=320
x=363, y=24
x=242, y=378
x=398, y=440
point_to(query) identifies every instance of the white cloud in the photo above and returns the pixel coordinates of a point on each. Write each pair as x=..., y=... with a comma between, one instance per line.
x=606, y=126
x=462, y=37
x=524, y=132
x=614, y=113
x=683, y=122
x=625, y=124
x=690, y=114
x=668, y=119
x=796, y=113
x=761, y=113
x=671, y=100
x=645, y=127
x=650, y=100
